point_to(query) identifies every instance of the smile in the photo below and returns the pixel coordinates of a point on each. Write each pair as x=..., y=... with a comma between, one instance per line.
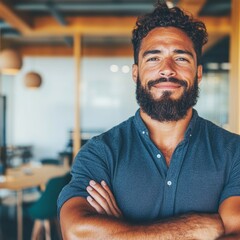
x=167, y=86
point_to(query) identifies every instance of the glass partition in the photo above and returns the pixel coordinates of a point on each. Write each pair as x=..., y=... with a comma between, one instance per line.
x=213, y=103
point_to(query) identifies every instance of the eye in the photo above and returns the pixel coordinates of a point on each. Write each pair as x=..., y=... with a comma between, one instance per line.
x=152, y=59
x=182, y=59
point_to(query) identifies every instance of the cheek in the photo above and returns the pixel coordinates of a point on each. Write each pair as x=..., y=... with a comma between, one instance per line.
x=186, y=69
x=148, y=73
x=187, y=74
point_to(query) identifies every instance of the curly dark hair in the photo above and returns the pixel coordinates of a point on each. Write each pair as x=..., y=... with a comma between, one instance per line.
x=162, y=16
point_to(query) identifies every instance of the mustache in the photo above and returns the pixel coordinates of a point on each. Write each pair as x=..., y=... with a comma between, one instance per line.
x=151, y=83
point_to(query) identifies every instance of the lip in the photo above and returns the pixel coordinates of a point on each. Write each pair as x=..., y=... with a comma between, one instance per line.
x=167, y=85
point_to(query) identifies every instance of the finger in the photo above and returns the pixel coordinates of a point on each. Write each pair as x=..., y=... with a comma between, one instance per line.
x=112, y=198
x=95, y=205
x=103, y=198
x=99, y=199
x=99, y=189
x=107, y=194
x=111, y=210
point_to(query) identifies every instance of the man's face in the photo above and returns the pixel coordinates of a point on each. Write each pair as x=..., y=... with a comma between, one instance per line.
x=167, y=74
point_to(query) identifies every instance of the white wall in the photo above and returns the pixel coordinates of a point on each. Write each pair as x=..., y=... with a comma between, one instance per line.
x=43, y=117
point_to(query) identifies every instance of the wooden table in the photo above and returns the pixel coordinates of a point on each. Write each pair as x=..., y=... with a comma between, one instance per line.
x=27, y=176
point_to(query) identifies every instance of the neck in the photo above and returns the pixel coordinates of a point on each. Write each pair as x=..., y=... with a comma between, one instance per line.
x=167, y=135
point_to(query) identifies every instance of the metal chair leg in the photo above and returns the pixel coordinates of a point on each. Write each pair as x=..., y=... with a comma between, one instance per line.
x=37, y=227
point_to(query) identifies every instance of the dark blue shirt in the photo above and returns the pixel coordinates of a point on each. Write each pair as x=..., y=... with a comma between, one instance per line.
x=204, y=170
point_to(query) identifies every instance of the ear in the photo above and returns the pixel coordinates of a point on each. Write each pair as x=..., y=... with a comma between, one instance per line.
x=199, y=73
x=135, y=72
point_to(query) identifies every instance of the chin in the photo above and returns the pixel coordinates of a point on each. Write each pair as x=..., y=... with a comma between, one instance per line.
x=167, y=94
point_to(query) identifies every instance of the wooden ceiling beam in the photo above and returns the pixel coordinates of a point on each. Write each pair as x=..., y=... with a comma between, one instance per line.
x=212, y=40
x=109, y=26
x=192, y=6
x=12, y=17
x=217, y=25
x=217, y=29
x=121, y=50
x=46, y=26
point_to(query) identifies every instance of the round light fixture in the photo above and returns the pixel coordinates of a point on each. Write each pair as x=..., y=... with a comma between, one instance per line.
x=32, y=80
x=114, y=68
x=125, y=69
x=10, y=61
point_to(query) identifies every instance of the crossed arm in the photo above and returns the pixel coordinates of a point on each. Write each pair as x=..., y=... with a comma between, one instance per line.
x=98, y=217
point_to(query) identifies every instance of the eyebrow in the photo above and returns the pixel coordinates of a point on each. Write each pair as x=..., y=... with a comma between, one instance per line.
x=179, y=51
x=151, y=52
x=183, y=52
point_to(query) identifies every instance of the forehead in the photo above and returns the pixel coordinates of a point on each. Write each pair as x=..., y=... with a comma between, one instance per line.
x=170, y=37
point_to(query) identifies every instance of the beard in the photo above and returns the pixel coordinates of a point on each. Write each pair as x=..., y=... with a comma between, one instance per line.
x=166, y=109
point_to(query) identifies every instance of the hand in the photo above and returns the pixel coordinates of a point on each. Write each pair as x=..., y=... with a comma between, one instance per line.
x=102, y=199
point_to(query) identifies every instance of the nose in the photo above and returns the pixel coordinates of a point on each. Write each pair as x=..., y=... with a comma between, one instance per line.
x=167, y=68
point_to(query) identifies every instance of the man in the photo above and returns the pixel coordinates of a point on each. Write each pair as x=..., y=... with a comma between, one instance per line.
x=165, y=173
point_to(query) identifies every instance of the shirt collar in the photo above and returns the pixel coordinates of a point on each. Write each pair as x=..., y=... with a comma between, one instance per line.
x=191, y=125
x=143, y=129
x=139, y=123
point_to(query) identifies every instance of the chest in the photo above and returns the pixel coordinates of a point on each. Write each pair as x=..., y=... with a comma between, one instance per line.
x=167, y=148
x=146, y=189
x=167, y=153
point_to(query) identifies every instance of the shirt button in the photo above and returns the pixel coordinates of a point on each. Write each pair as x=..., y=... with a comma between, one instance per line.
x=143, y=132
x=169, y=183
x=158, y=156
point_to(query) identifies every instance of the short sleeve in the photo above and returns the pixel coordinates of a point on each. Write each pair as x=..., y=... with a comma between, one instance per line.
x=232, y=186
x=89, y=164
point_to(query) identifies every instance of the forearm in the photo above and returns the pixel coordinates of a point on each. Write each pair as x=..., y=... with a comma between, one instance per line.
x=233, y=236
x=194, y=226
x=90, y=225
x=191, y=226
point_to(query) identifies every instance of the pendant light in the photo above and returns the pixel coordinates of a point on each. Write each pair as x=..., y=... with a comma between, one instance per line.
x=33, y=80
x=10, y=61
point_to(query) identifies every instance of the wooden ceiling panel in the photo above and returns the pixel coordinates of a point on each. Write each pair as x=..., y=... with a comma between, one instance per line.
x=194, y=7
x=13, y=18
x=53, y=21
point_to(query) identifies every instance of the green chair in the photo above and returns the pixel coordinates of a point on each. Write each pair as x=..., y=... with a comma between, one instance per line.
x=45, y=208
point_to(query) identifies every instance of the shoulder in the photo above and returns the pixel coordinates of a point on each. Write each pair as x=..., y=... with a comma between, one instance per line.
x=104, y=148
x=117, y=133
x=218, y=135
x=113, y=136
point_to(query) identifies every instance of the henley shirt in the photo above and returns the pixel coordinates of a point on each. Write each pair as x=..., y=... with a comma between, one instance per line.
x=203, y=172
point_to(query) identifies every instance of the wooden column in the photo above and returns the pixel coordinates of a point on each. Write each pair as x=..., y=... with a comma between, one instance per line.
x=76, y=133
x=234, y=108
